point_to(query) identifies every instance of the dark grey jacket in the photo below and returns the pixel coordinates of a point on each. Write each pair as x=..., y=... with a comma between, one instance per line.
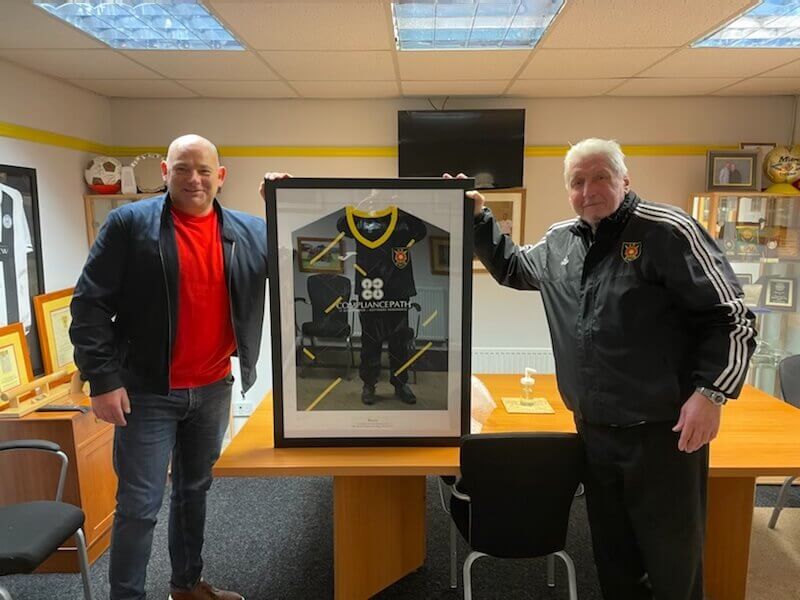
x=641, y=312
x=125, y=309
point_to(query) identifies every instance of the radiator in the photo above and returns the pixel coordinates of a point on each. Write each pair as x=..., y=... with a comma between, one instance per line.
x=512, y=360
x=431, y=300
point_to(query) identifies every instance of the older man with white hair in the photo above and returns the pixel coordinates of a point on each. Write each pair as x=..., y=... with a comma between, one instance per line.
x=651, y=337
x=173, y=286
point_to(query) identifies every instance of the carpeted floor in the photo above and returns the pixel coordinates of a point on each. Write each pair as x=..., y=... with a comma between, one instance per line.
x=272, y=539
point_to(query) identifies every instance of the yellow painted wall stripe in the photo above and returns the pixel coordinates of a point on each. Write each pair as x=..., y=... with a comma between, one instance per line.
x=41, y=136
x=360, y=270
x=333, y=305
x=309, y=354
x=431, y=318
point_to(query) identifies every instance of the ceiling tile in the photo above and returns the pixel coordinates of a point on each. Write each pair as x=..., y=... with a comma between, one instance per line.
x=561, y=88
x=346, y=89
x=205, y=65
x=671, y=87
x=461, y=65
x=304, y=25
x=79, y=64
x=454, y=88
x=239, y=89
x=764, y=86
x=594, y=64
x=638, y=23
x=721, y=62
x=134, y=88
x=26, y=26
x=332, y=66
x=790, y=70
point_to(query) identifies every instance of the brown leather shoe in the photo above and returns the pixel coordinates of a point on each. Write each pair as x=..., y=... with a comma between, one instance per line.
x=204, y=591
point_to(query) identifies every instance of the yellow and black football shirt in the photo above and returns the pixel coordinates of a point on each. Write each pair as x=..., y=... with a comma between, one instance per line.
x=384, y=241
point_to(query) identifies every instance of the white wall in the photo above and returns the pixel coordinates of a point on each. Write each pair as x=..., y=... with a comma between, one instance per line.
x=501, y=317
x=39, y=102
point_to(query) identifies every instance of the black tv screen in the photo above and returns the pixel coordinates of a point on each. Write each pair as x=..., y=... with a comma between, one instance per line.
x=485, y=144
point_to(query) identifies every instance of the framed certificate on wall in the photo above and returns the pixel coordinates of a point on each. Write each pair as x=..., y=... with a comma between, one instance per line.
x=376, y=351
x=53, y=319
x=15, y=361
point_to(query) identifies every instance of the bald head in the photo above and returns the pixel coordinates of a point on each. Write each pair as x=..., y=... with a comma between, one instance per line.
x=193, y=174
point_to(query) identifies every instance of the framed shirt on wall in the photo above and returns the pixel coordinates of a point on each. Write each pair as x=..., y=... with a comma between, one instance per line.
x=370, y=334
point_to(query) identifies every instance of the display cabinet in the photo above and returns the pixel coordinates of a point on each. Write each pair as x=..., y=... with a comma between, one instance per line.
x=99, y=205
x=760, y=235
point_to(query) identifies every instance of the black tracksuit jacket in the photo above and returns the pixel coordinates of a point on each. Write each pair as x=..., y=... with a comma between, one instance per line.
x=640, y=312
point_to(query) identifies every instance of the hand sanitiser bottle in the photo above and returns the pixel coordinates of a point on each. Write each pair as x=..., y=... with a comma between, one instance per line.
x=527, y=381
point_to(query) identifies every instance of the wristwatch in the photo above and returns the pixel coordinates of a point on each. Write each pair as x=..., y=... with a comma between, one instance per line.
x=713, y=396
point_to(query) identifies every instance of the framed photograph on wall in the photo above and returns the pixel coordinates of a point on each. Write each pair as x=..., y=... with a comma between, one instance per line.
x=508, y=207
x=53, y=319
x=320, y=255
x=732, y=170
x=20, y=254
x=744, y=278
x=379, y=353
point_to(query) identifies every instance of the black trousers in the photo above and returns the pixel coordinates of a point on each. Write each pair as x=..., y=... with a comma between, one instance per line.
x=647, y=509
x=377, y=327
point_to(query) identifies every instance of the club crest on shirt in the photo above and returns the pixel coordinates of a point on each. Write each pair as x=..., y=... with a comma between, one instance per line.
x=8, y=222
x=400, y=257
x=631, y=251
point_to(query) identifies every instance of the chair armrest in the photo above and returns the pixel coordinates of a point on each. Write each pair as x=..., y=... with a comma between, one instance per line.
x=30, y=445
x=416, y=306
x=458, y=494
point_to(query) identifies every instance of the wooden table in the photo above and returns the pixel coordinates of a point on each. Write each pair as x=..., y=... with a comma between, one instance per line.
x=379, y=493
x=91, y=483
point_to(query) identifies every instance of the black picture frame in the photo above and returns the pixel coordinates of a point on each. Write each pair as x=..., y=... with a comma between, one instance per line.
x=285, y=347
x=24, y=191
x=742, y=177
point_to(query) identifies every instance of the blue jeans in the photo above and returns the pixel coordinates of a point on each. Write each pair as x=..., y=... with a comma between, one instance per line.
x=188, y=425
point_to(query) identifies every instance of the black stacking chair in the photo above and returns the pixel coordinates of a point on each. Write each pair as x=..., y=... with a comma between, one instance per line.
x=32, y=531
x=323, y=291
x=789, y=378
x=514, y=497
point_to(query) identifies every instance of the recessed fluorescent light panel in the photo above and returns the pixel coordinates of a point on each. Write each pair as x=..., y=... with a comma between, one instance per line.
x=771, y=24
x=141, y=25
x=471, y=24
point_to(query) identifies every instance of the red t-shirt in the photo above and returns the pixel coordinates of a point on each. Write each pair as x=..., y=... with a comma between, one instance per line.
x=204, y=341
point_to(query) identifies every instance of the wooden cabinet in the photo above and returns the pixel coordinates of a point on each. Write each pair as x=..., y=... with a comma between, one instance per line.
x=99, y=205
x=760, y=235
x=91, y=482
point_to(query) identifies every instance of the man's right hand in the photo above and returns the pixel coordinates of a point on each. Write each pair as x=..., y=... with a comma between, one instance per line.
x=112, y=406
x=475, y=195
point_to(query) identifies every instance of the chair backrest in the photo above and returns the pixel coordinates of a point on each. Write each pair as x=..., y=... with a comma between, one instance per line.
x=521, y=487
x=323, y=289
x=789, y=376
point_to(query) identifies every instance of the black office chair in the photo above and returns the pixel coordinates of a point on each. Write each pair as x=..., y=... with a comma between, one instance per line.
x=789, y=378
x=514, y=497
x=324, y=290
x=31, y=531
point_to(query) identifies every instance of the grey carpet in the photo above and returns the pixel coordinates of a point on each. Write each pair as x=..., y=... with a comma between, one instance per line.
x=272, y=539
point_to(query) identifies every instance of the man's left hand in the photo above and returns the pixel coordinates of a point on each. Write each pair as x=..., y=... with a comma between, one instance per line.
x=698, y=423
x=272, y=176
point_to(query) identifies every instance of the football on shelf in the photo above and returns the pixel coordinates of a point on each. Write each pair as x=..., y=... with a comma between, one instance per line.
x=103, y=174
x=782, y=164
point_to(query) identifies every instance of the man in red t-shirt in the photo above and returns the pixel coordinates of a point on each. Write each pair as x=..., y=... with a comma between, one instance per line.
x=172, y=288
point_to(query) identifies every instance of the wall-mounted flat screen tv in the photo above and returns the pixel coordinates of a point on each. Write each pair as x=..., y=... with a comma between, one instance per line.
x=488, y=145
